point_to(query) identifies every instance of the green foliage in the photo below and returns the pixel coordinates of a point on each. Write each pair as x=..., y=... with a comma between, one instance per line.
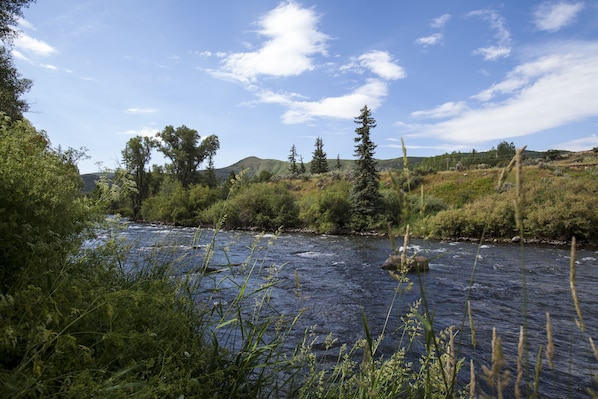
x=184, y=149
x=12, y=85
x=319, y=164
x=293, y=168
x=403, y=374
x=561, y=207
x=491, y=216
x=268, y=206
x=42, y=212
x=365, y=195
x=327, y=210
x=136, y=156
x=175, y=204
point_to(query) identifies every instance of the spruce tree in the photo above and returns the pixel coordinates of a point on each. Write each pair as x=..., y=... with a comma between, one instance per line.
x=319, y=164
x=301, y=165
x=365, y=195
x=293, y=168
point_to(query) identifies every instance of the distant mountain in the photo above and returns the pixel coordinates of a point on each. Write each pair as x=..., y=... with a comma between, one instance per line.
x=255, y=166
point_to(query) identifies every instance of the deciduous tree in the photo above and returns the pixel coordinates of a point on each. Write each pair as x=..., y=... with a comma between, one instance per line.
x=136, y=156
x=184, y=149
x=12, y=85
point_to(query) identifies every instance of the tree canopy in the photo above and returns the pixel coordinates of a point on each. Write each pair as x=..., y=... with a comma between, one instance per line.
x=136, y=156
x=186, y=152
x=12, y=85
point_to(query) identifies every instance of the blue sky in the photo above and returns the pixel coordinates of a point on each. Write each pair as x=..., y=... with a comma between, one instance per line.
x=265, y=75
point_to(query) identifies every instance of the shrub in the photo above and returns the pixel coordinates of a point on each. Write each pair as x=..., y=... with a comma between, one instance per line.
x=329, y=210
x=42, y=211
x=261, y=205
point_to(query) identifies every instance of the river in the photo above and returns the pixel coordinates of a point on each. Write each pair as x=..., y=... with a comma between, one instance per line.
x=340, y=279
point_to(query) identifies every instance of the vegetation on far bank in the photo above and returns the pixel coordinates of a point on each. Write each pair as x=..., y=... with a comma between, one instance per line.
x=461, y=202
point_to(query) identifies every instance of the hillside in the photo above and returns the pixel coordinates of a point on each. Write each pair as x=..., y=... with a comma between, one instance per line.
x=254, y=166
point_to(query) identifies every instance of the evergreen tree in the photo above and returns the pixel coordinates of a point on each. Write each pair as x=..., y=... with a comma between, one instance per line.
x=338, y=162
x=365, y=195
x=293, y=161
x=301, y=165
x=319, y=164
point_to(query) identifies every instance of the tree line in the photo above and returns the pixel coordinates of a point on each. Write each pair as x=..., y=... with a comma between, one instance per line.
x=180, y=191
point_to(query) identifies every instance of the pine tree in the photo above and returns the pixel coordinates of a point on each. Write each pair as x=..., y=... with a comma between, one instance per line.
x=301, y=165
x=319, y=164
x=365, y=195
x=293, y=160
x=338, y=162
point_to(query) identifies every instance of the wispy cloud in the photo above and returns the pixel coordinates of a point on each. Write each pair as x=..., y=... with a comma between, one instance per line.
x=431, y=40
x=26, y=44
x=23, y=23
x=555, y=88
x=141, y=110
x=292, y=38
x=502, y=48
x=552, y=16
x=445, y=110
x=144, y=131
x=341, y=107
x=580, y=144
x=435, y=38
x=440, y=21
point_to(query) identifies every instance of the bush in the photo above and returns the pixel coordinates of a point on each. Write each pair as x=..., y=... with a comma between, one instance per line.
x=268, y=206
x=492, y=216
x=329, y=210
x=42, y=210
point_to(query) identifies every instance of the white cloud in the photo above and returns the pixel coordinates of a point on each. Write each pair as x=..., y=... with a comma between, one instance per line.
x=431, y=40
x=20, y=56
x=435, y=38
x=23, y=23
x=552, y=90
x=292, y=38
x=141, y=110
x=342, y=107
x=552, y=17
x=440, y=21
x=144, y=131
x=503, y=36
x=581, y=144
x=442, y=111
x=29, y=45
x=493, y=52
x=380, y=62
x=49, y=66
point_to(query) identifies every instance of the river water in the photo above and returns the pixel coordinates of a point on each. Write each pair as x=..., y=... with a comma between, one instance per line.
x=340, y=280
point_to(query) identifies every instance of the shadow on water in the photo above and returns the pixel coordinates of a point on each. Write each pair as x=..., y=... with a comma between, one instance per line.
x=337, y=279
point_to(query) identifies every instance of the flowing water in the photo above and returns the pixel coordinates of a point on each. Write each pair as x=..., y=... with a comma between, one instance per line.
x=340, y=280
